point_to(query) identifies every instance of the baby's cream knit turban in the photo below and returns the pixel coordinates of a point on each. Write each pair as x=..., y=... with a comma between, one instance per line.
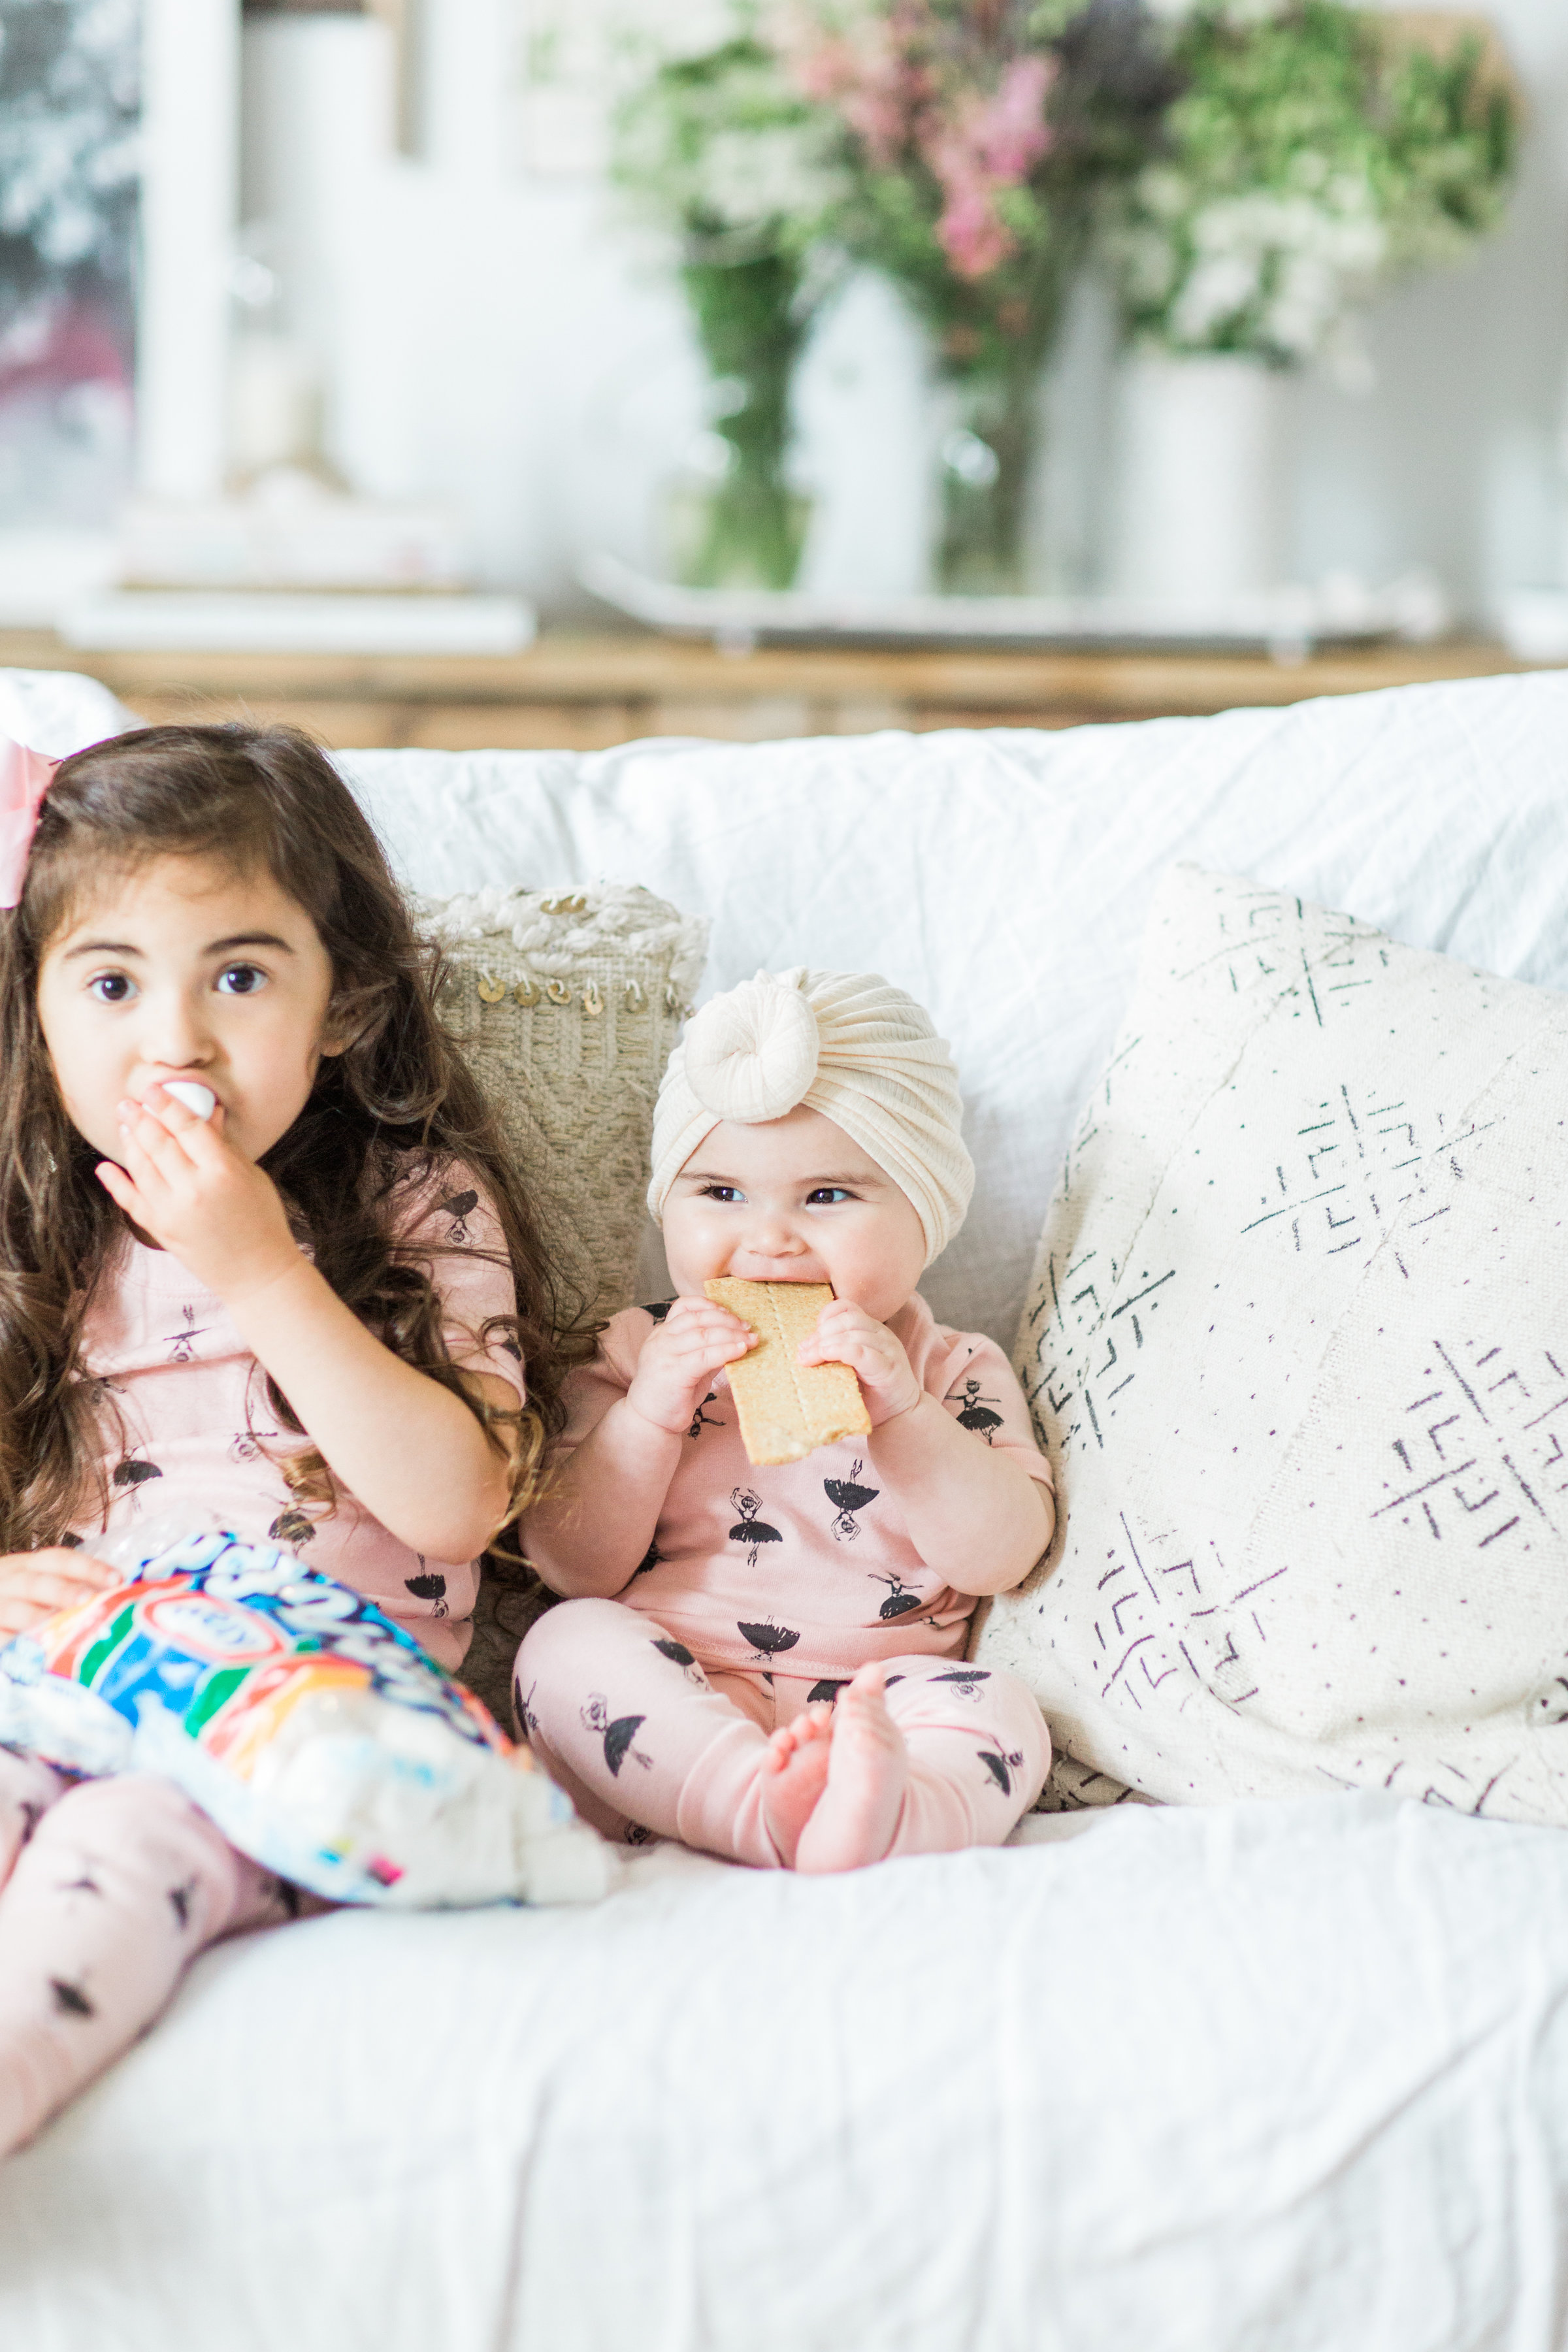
x=845, y=1043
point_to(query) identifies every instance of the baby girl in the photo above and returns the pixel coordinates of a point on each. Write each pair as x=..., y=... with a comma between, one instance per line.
x=768, y=1663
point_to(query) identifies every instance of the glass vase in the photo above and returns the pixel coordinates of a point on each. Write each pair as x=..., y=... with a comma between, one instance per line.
x=745, y=526
x=987, y=456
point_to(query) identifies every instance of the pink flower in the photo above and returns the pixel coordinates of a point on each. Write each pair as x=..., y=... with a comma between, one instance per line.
x=894, y=83
x=992, y=143
x=873, y=81
x=1010, y=133
x=969, y=232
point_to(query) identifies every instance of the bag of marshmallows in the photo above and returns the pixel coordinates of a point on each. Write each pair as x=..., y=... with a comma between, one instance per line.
x=314, y=1732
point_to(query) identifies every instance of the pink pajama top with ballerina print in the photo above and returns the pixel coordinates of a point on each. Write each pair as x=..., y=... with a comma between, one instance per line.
x=188, y=1426
x=805, y=1567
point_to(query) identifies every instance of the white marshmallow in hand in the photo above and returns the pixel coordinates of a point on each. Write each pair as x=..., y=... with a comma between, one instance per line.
x=199, y=1100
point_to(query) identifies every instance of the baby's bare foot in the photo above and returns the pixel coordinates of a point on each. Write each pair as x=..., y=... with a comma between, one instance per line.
x=795, y=1773
x=867, y=1771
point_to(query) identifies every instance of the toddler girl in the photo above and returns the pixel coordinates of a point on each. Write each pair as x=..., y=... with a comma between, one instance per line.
x=768, y=1663
x=262, y=1248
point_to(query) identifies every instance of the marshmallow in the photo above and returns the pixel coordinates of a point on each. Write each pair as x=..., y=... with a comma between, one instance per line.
x=845, y=1043
x=197, y=1098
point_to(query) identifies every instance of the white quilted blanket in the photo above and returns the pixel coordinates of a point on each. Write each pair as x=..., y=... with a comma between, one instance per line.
x=1245, y=2079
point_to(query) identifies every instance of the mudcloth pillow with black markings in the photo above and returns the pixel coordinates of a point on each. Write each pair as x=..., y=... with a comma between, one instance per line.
x=1297, y=1345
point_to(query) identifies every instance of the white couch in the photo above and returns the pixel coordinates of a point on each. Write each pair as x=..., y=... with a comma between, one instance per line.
x=1189, y=2080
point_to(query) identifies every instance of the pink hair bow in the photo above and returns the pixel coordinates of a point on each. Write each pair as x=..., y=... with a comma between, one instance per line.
x=25, y=777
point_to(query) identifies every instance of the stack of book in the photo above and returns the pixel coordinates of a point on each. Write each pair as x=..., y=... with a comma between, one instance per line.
x=293, y=565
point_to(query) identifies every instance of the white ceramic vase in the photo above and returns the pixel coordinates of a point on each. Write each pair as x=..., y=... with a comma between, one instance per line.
x=1197, y=507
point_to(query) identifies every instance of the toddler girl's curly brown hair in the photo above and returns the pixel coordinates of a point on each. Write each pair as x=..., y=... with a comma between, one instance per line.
x=392, y=1110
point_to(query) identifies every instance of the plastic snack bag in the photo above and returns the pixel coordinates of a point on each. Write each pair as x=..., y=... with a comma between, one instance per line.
x=314, y=1732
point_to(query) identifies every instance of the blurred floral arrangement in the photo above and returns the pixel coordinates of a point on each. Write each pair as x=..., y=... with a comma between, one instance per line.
x=1312, y=152
x=1250, y=170
x=743, y=170
x=975, y=136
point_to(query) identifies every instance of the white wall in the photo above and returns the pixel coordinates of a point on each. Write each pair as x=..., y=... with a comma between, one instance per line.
x=512, y=341
x=1457, y=458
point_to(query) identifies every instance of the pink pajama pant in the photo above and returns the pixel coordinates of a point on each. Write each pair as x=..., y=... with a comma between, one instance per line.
x=641, y=1736
x=108, y=1890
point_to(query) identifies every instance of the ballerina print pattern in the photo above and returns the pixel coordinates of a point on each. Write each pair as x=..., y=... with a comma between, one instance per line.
x=170, y=1353
x=108, y=1890
x=805, y=1563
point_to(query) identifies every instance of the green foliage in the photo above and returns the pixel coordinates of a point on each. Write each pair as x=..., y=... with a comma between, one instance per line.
x=1254, y=169
x=1451, y=138
x=1308, y=158
x=726, y=154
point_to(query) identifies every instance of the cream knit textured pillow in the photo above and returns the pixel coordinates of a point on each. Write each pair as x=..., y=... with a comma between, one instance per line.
x=567, y=1003
x=1297, y=1345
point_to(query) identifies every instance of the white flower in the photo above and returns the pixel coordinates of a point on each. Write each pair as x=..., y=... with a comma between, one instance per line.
x=1306, y=300
x=748, y=178
x=1214, y=294
x=1233, y=12
x=1275, y=268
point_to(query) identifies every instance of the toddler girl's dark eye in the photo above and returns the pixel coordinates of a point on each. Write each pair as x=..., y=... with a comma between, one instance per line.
x=112, y=987
x=240, y=979
x=828, y=1196
x=723, y=1192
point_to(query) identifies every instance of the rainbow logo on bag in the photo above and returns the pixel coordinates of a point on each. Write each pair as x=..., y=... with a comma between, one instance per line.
x=228, y=1637
x=317, y=1734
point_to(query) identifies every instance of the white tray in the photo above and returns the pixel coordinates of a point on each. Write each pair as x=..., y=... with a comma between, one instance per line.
x=1288, y=623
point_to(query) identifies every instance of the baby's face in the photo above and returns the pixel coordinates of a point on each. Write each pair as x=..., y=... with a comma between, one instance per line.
x=793, y=1200
x=185, y=970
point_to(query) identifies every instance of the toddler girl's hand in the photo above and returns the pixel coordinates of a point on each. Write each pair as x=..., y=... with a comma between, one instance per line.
x=846, y=1334
x=199, y=1198
x=35, y=1584
x=680, y=1357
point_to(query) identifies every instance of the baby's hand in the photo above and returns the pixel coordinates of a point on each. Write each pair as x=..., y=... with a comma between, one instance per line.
x=199, y=1198
x=38, y=1584
x=680, y=1357
x=846, y=1334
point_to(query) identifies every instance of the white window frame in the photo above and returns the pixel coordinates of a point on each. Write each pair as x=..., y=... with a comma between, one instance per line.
x=190, y=197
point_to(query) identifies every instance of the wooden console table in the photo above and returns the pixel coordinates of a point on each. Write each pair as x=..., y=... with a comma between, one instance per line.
x=585, y=692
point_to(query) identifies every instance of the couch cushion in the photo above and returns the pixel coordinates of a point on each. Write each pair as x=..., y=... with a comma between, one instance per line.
x=58, y=711
x=1189, y=2080
x=1298, y=1339
x=1003, y=878
x=566, y=1005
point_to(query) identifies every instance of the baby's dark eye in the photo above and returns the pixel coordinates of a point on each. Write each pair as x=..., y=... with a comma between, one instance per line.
x=723, y=1192
x=112, y=987
x=828, y=1196
x=241, y=980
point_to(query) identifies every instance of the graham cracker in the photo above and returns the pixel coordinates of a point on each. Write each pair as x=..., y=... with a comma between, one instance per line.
x=787, y=1409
